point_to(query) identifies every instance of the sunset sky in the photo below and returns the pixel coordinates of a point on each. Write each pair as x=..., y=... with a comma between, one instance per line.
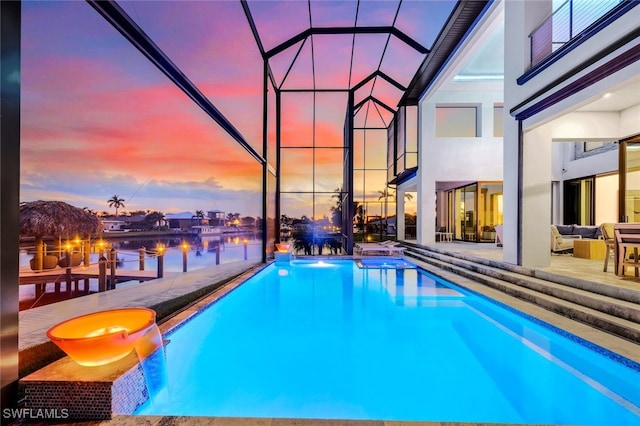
x=98, y=119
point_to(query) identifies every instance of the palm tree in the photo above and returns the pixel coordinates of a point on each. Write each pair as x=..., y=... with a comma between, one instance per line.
x=385, y=194
x=284, y=219
x=116, y=202
x=154, y=219
x=336, y=211
x=199, y=215
x=358, y=210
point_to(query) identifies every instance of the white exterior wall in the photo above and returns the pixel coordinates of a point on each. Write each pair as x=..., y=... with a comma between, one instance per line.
x=605, y=162
x=454, y=159
x=464, y=159
x=457, y=159
x=587, y=125
x=630, y=120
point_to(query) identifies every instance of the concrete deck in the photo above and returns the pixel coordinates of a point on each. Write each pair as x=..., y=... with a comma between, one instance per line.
x=564, y=264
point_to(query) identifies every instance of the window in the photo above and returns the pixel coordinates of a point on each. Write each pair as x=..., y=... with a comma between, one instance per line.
x=498, y=121
x=457, y=121
x=590, y=146
x=402, y=142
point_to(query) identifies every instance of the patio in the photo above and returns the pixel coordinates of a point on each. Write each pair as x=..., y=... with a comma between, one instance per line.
x=565, y=264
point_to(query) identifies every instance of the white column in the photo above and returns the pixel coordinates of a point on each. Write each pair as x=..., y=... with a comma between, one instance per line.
x=400, y=213
x=536, y=197
x=510, y=173
x=520, y=19
x=426, y=203
x=516, y=60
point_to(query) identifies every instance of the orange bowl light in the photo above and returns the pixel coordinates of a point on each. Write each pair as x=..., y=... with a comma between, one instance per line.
x=103, y=337
x=283, y=248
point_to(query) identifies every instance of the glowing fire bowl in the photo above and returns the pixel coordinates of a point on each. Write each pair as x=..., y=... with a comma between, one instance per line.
x=103, y=337
x=283, y=248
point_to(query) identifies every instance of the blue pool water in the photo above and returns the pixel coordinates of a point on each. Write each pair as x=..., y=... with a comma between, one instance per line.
x=333, y=340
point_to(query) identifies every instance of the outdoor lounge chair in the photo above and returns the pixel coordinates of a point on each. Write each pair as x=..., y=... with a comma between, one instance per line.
x=561, y=243
x=386, y=247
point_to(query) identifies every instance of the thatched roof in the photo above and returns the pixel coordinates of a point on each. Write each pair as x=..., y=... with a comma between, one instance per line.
x=56, y=218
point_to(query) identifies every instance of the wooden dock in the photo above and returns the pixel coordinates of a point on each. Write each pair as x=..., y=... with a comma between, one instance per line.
x=73, y=276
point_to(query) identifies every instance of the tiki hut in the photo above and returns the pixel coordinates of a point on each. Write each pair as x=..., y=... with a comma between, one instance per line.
x=56, y=219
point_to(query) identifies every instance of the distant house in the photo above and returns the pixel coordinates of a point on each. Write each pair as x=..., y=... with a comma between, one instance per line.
x=122, y=223
x=134, y=223
x=378, y=225
x=216, y=217
x=112, y=224
x=184, y=220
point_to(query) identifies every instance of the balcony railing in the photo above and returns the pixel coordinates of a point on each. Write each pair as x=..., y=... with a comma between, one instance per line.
x=565, y=23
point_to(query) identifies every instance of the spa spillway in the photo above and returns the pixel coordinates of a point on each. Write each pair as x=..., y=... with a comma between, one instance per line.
x=106, y=336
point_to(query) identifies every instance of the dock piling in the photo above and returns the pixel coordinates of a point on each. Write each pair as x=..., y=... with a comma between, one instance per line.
x=160, y=264
x=112, y=264
x=141, y=252
x=102, y=274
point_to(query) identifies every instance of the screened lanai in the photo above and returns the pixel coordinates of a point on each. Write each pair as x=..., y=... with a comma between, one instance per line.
x=273, y=112
x=294, y=112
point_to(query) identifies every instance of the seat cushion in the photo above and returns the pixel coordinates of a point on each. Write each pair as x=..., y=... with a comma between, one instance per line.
x=565, y=229
x=586, y=231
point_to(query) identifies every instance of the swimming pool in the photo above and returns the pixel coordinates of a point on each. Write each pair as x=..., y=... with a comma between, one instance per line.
x=333, y=340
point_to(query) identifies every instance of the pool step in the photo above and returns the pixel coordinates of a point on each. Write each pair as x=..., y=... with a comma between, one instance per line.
x=616, y=312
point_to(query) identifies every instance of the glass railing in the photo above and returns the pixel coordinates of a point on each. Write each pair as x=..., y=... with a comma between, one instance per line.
x=569, y=20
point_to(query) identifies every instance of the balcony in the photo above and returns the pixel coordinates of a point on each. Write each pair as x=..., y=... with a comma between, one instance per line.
x=568, y=22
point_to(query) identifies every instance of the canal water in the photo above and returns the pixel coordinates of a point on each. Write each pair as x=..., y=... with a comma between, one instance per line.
x=201, y=253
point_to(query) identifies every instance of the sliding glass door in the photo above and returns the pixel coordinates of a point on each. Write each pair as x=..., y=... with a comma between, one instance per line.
x=474, y=211
x=632, y=190
x=579, y=206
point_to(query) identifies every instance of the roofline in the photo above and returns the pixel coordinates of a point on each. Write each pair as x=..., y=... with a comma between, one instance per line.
x=462, y=20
